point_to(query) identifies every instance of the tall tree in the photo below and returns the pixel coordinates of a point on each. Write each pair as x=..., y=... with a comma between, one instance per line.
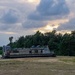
x=10, y=39
x=20, y=42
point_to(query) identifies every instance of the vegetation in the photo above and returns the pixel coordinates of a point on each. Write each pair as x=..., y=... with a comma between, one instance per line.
x=10, y=39
x=0, y=50
x=60, y=44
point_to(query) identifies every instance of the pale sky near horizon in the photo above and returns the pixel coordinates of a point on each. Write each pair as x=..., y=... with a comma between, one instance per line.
x=25, y=17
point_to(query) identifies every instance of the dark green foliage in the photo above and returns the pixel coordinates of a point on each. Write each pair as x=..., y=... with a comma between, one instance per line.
x=60, y=44
x=10, y=39
x=20, y=42
x=0, y=50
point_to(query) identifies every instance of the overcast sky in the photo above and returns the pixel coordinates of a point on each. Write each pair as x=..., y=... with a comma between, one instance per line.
x=25, y=17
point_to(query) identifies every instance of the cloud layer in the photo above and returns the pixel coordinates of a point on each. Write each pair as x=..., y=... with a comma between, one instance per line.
x=10, y=17
x=52, y=7
x=68, y=25
x=22, y=17
x=50, y=10
x=30, y=15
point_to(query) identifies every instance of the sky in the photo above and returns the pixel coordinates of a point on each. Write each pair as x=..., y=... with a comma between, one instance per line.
x=25, y=17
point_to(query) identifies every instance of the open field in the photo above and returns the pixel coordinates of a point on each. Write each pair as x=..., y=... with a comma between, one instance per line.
x=38, y=66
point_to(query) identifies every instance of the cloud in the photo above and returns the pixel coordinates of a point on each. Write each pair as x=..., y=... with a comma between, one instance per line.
x=2, y=32
x=13, y=13
x=67, y=26
x=51, y=7
x=10, y=17
x=50, y=10
x=34, y=24
x=46, y=11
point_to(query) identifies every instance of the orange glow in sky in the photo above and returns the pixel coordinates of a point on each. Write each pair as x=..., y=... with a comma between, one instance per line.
x=51, y=25
x=47, y=28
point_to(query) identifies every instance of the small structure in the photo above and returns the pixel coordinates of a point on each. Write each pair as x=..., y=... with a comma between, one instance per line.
x=27, y=52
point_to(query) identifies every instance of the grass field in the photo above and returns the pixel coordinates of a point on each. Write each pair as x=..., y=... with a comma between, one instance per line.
x=38, y=66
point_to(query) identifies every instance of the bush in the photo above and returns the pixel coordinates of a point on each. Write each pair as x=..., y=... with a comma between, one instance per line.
x=0, y=52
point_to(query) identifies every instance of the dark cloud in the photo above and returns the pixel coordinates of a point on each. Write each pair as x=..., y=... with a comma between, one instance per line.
x=68, y=25
x=10, y=17
x=51, y=7
x=36, y=16
x=34, y=24
x=49, y=10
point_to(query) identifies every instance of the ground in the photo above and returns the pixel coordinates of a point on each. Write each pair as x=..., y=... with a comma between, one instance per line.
x=38, y=66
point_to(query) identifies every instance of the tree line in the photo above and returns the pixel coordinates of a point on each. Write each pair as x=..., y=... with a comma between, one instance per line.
x=60, y=44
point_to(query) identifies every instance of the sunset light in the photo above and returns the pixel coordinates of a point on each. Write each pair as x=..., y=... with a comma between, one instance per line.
x=29, y=1
x=47, y=28
x=32, y=0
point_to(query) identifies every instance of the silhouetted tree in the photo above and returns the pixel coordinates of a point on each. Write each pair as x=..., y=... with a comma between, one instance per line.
x=10, y=39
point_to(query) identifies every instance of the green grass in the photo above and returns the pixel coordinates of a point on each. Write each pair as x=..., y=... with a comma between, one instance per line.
x=37, y=66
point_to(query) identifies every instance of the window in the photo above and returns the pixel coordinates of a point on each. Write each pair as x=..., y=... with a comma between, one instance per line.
x=41, y=51
x=30, y=52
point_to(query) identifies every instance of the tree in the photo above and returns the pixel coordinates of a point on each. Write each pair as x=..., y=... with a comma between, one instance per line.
x=10, y=39
x=60, y=44
x=20, y=42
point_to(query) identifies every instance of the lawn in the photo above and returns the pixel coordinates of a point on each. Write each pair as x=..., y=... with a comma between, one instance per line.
x=38, y=66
